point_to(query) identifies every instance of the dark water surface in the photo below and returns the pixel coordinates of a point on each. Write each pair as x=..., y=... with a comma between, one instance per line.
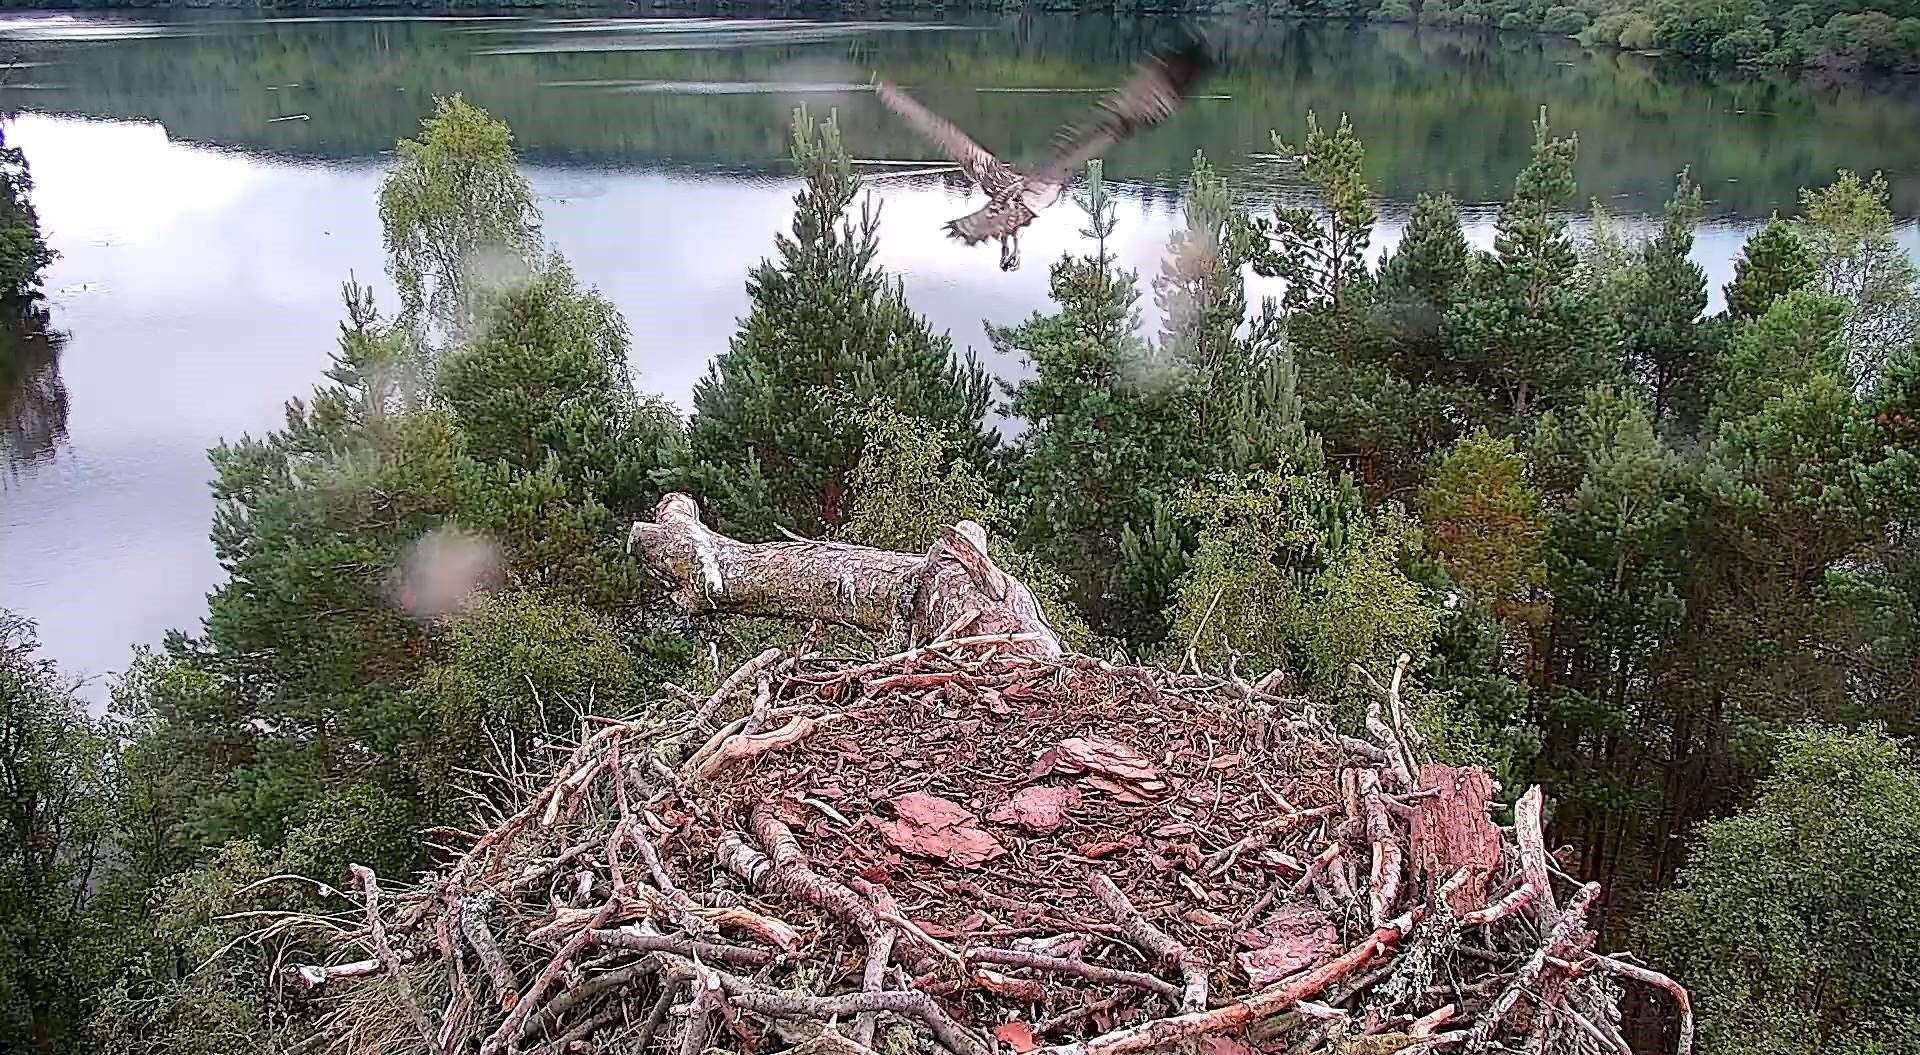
x=210, y=182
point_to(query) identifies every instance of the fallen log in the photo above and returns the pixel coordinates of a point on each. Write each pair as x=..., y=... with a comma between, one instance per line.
x=912, y=596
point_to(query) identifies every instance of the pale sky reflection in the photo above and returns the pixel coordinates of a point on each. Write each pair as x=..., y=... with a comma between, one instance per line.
x=201, y=290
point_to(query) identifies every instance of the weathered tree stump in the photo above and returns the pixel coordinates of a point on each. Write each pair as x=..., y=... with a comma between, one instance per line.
x=953, y=588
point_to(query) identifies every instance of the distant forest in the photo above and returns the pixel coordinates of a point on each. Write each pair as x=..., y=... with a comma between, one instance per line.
x=1881, y=35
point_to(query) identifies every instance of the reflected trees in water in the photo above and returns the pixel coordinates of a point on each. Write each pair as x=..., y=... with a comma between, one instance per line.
x=33, y=398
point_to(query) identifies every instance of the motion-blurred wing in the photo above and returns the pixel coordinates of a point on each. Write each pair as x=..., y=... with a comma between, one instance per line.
x=998, y=218
x=1158, y=87
x=992, y=174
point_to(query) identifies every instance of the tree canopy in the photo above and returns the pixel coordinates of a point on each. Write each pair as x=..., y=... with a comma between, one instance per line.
x=1662, y=561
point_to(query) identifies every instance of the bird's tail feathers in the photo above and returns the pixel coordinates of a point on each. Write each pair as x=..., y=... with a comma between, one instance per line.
x=961, y=231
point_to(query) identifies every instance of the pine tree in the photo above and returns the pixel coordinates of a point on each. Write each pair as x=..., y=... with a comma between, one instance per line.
x=1322, y=254
x=1200, y=291
x=353, y=535
x=1485, y=524
x=1774, y=262
x=1666, y=348
x=1106, y=434
x=1370, y=373
x=775, y=431
x=1238, y=381
x=1618, y=512
x=1293, y=572
x=1525, y=336
x=547, y=378
x=1802, y=501
x=1423, y=274
x=1799, y=335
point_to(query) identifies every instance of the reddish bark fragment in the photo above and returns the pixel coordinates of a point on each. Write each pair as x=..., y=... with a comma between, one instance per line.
x=1110, y=757
x=931, y=826
x=1293, y=939
x=1451, y=831
x=1104, y=848
x=1016, y=1035
x=1040, y=809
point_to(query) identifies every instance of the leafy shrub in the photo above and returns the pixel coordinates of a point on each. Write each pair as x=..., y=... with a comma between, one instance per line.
x=1792, y=921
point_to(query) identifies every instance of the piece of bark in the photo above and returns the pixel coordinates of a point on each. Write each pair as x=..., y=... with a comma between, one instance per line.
x=1452, y=832
x=1109, y=765
x=1297, y=936
x=912, y=595
x=1016, y=1035
x=931, y=826
x=1098, y=754
x=1040, y=809
x=1536, y=887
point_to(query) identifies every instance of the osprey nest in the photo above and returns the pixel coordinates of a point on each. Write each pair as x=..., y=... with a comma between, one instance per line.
x=979, y=845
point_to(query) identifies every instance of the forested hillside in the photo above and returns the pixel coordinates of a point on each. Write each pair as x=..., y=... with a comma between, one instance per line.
x=1659, y=561
x=1834, y=34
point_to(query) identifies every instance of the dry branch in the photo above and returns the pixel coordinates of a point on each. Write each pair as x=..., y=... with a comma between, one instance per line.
x=383, y=951
x=915, y=596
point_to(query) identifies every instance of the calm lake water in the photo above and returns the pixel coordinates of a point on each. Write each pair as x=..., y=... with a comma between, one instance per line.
x=210, y=182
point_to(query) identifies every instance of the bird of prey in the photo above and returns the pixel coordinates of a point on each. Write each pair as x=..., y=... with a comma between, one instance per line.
x=1157, y=88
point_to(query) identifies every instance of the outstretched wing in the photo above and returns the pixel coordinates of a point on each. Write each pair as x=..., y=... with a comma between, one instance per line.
x=996, y=219
x=992, y=174
x=1158, y=87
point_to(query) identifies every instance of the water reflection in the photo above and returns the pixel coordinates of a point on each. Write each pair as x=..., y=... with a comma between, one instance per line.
x=203, y=240
x=33, y=398
x=1439, y=110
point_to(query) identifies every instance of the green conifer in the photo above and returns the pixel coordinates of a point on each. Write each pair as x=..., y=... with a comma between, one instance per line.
x=1774, y=262
x=775, y=432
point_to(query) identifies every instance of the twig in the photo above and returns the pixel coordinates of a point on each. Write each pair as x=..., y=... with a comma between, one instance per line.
x=752, y=996
x=585, y=993
x=1169, y=952
x=1383, y=886
x=510, y=1028
x=741, y=675
x=1068, y=1018
x=383, y=949
x=473, y=927
x=1080, y=968
x=1221, y=860
x=1563, y=930
x=1681, y=1001
x=879, y=953
x=669, y=988
x=634, y=941
x=1162, y=1034
x=706, y=994
x=740, y=747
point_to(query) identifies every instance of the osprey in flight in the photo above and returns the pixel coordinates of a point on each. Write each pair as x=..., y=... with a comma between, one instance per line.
x=1156, y=90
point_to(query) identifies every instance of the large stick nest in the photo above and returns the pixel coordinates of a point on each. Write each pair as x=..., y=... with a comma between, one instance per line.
x=968, y=848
